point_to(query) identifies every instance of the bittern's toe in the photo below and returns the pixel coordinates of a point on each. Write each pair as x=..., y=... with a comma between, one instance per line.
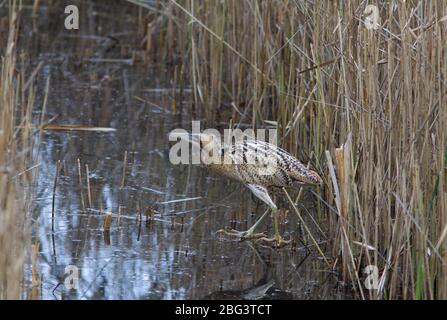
x=241, y=235
x=276, y=242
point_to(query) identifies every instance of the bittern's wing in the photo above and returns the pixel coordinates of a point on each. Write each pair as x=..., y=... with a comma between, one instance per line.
x=262, y=194
x=286, y=164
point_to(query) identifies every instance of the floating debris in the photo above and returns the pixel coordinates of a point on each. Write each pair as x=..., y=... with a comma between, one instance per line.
x=75, y=127
x=180, y=200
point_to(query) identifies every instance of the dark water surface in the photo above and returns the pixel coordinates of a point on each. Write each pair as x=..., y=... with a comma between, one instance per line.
x=176, y=255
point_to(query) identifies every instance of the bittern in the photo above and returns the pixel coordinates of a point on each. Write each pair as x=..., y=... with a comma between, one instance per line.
x=259, y=165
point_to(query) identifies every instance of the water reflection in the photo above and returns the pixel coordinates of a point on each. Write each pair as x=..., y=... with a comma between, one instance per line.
x=172, y=253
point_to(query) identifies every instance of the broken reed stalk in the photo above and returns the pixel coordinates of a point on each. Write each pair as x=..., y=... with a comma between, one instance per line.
x=342, y=162
x=348, y=262
x=106, y=227
x=107, y=221
x=89, y=194
x=123, y=179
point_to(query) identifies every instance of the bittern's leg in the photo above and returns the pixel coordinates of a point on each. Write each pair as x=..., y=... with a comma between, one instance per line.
x=250, y=233
x=277, y=239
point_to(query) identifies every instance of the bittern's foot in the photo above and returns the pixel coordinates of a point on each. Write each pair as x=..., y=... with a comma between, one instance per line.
x=242, y=235
x=277, y=241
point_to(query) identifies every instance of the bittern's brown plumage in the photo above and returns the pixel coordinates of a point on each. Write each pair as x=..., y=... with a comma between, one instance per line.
x=259, y=165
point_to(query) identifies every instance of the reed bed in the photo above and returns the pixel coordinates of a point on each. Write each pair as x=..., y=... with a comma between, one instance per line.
x=16, y=102
x=366, y=107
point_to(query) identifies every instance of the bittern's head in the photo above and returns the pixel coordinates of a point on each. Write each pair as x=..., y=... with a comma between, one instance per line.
x=304, y=175
x=314, y=178
x=208, y=144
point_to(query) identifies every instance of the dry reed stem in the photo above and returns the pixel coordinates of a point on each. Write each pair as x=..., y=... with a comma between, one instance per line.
x=123, y=178
x=16, y=103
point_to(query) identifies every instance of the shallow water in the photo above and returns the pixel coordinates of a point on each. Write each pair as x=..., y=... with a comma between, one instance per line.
x=177, y=254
